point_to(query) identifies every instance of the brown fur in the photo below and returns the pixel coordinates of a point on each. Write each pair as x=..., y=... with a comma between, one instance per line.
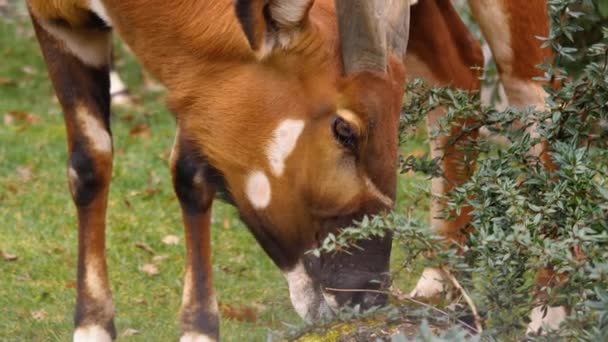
x=201, y=61
x=227, y=103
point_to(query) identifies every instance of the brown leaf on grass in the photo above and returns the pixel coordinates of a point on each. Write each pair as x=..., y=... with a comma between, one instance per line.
x=8, y=256
x=241, y=313
x=21, y=117
x=140, y=301
x=7, y=81
x=226, y=223
x=141, y=130
x=128, y=117
x=166, y=154
x=39, y=315
x=29, y=70
x=129, y=332
x=171, y=240
x=157, y=259
x=150, y=269
x=24, y=172
x=145, y=247
x=70, y=284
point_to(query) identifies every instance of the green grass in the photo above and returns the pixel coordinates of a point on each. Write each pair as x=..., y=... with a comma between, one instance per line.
x=37, y=218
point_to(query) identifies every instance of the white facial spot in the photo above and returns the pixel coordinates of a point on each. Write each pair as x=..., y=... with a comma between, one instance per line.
x=284, y=140
x=94, y=130
x=196, y=337
x=373, y=190
x=98, y=8
x=257, y=189
x=554, y=316
x=92, y=333
x=430, y=285
x=307, y=302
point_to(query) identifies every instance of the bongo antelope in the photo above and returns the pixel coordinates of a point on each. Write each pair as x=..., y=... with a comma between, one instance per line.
x=287, y=108
x=290, y=116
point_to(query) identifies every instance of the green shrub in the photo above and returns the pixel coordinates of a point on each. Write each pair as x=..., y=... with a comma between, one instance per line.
x=525, y=216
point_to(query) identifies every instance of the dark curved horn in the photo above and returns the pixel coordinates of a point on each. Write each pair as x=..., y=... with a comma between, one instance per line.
x=369, y=29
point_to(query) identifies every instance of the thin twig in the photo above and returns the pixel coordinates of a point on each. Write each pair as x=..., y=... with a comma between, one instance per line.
x=472, y=306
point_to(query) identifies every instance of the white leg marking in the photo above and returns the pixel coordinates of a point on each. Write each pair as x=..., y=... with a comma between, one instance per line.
x=309, y=304
x=258, y=191
x=92, y=333
x=73, y=180
x=283, y=142
x=551, y=321
x=524, y=93
x=98, y=8
x=93, y=50
x=430, y=285
x=116, y=84
x=373, y=190
x=195, y=337
x=94, y=130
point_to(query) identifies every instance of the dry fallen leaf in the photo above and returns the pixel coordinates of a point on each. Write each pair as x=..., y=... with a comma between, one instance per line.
x=171, y=240
x=166, y=154
x=145, y=247
x=39, y=314
x=241, y=313
x=149, y=269
x=140, y=301
x=70, y=284
x=8, y=257
x=6, y=81
x=226, y=223
x=157, y=259
x=24, y=172
x=28, y=70
x=128, y=117
x=129, y=332
x=22, y=117
x=140, y=130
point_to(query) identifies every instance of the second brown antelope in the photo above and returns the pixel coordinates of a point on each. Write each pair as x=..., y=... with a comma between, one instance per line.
x=289, y=110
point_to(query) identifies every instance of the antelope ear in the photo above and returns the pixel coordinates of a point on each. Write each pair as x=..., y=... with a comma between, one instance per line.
x=270, y=24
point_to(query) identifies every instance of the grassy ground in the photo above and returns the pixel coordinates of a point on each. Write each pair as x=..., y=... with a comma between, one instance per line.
x=38, y=219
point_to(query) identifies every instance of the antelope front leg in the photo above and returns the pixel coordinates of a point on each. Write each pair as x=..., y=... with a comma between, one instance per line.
x=80, y=78
x=192, y=182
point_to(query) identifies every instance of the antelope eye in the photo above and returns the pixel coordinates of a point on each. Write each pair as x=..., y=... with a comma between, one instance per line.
x=345, y=132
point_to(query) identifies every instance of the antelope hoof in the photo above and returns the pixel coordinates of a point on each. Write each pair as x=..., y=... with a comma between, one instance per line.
x=430, y=286
x=543, y=319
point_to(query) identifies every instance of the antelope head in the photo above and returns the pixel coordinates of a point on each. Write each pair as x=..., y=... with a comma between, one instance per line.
x=303, y=138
